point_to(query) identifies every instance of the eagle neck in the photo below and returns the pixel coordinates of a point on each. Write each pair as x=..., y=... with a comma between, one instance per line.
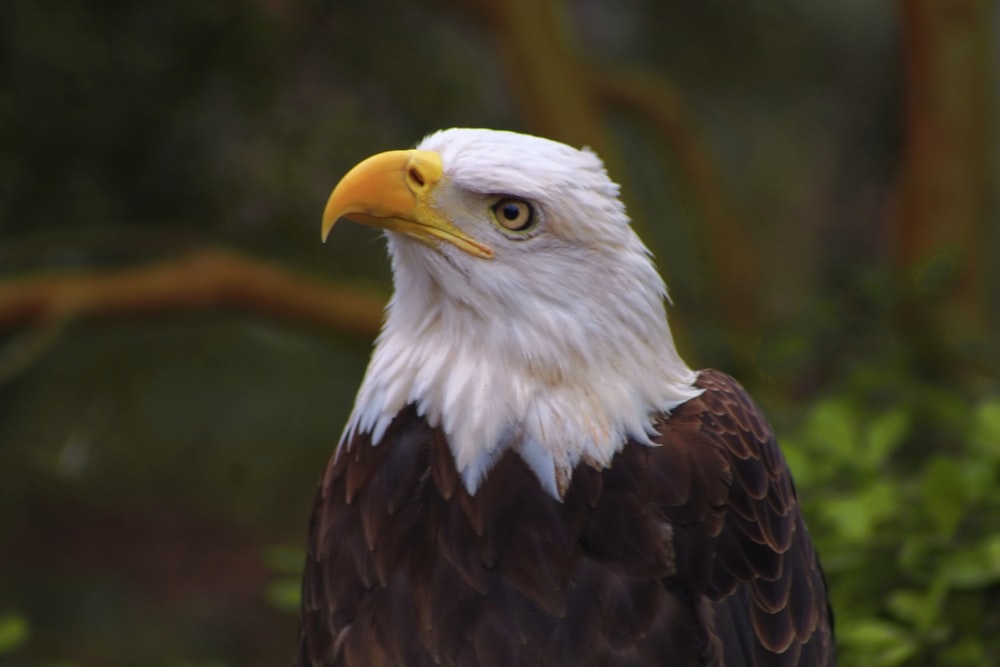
x=557, y=385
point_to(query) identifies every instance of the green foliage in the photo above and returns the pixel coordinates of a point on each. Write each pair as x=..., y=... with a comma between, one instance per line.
x=898, y=476
x=285, y=592
x=134, y=130
x=14, y=632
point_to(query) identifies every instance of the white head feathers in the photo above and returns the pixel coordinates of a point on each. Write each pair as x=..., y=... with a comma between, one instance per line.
x=557, y=347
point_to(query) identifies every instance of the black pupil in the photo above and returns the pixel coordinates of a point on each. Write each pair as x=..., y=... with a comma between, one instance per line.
x=511, y=211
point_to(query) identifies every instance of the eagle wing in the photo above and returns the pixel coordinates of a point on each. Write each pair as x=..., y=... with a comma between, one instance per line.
x=740, y=539
x=693, y=552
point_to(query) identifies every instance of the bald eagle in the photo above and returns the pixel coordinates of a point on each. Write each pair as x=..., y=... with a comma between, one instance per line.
x=531, y=474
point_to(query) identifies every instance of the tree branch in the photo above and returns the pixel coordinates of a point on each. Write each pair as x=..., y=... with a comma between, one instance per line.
x=563, y=97
x=201, y=280
x=657, y=101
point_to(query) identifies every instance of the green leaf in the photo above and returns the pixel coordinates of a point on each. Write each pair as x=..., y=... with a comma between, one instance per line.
x=803, y=467
x=832, y=428
x=974, y=567
x=285, y=594
x=920, y=609
x=13, y=632
x=883, y=644
x=883, y=435
x=978, y=480
x=969, y=652
x=943, y=491
x=986, y=428
x=856, y=517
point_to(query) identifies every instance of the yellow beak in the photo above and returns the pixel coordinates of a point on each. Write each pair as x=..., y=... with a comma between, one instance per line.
x=393, y=190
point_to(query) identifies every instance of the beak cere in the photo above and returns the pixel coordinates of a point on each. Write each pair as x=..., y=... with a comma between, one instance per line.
x=394, y=190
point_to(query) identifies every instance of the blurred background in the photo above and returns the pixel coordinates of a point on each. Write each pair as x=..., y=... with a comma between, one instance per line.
x=178, y=352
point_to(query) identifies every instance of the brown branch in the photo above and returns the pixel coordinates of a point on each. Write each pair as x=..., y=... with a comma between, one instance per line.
x=563, y=97
x=549, y=78
x=201, y=280
x=655, y=99
x=948, y=170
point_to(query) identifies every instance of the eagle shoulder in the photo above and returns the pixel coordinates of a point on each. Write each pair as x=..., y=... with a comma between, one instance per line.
x=742, y=541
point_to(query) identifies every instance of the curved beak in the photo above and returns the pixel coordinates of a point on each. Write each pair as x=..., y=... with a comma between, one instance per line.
x=394, y=190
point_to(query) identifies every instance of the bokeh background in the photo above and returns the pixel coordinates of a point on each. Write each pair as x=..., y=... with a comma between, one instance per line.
x=178, y=352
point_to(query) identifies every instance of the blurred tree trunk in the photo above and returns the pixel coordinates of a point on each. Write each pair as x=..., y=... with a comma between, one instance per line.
x=949, y=166
x=534, y=39
x=566, y=97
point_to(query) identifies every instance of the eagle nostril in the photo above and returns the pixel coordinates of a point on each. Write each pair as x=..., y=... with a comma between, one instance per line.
x=416, y=177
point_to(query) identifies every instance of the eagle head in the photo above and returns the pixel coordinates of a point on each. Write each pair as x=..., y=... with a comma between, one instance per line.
x=526, y=312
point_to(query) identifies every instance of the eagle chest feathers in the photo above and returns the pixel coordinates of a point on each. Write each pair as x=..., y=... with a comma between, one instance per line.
x=531, y=475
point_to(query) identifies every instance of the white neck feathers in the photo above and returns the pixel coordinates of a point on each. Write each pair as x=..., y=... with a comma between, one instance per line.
x=561, y=382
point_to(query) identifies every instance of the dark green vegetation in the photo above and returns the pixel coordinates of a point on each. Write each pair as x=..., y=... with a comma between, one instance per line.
x=817, y=180
x=900, y=478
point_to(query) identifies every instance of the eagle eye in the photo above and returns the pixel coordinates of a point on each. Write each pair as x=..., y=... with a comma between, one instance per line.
x=515, y=215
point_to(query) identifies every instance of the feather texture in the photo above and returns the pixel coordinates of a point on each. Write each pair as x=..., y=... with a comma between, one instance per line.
x=692, y=551
x=558, y=347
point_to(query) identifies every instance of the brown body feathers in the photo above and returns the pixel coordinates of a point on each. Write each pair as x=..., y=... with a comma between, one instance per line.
x=693, y=552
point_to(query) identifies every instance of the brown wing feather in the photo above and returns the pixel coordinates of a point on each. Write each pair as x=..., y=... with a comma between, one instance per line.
x=690, y=553
x=764, y=579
